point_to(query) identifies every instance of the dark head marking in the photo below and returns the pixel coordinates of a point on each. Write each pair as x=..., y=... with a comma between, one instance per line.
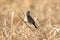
x=28, y=12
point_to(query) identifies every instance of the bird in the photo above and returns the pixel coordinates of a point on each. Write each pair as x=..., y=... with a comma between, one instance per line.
x=30, y=19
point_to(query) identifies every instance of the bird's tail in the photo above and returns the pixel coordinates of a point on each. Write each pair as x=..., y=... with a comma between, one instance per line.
x=35, y=26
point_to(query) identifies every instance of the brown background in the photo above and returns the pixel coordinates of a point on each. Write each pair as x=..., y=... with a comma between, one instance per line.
x=46, y=14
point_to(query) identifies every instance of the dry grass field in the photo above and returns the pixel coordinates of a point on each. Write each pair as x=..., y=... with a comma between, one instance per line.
x=46, y=14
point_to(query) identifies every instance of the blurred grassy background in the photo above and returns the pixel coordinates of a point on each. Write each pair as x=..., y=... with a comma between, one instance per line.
x=46, y=14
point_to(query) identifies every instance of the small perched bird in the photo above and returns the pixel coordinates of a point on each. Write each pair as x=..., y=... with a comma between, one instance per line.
x=30, y=19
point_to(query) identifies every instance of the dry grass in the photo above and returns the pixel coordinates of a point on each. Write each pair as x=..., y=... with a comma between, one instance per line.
x=46, y=14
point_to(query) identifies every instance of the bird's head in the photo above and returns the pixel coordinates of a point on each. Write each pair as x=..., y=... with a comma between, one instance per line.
x=28, y=12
